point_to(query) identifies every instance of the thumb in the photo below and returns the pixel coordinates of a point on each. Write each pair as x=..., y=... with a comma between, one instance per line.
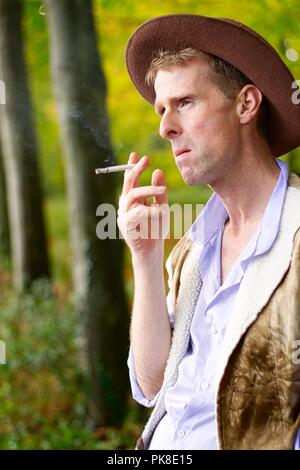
x=158, y=179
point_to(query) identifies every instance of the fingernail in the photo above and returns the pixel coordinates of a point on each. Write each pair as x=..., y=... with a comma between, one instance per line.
x=161, y=189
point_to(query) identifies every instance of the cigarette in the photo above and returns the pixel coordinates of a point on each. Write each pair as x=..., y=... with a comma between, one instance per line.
x=112, y=169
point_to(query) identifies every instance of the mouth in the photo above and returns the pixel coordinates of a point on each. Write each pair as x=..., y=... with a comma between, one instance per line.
x=181, y=152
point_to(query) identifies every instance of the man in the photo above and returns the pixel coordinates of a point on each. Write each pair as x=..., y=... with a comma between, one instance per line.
x=217, y=356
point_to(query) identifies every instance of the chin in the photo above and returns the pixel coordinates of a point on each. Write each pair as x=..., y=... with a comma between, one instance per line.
x=193, y=172
x=192, y=180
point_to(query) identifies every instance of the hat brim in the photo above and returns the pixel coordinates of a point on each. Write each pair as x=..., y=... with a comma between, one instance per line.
x=233, y=42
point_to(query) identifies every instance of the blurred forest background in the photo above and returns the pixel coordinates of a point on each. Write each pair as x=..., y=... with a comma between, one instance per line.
x=66, y=295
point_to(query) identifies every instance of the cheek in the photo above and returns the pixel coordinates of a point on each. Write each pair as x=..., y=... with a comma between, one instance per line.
x=207, y=129
x=212, y=124
x=201, y=126
x=218, y=127
x=206, y=123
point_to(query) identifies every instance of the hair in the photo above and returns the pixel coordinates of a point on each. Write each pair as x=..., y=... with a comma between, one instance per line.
x=224, y=75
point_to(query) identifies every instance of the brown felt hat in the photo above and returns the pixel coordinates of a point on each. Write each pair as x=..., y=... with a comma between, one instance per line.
x=233, y=42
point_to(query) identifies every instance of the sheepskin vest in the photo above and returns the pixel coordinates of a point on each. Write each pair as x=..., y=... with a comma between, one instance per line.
x=258, y=395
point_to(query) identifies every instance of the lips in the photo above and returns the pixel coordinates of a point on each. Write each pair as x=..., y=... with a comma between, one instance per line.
x=181, y=152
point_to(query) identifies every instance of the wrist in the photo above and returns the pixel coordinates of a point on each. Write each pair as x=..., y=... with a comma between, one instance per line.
x=149, y=261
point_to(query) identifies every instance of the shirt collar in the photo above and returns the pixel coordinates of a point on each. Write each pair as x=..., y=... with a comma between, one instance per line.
x=269, y=226
x=209, y=221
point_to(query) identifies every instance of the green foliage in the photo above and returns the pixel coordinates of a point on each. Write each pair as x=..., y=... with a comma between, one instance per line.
x=42, y=389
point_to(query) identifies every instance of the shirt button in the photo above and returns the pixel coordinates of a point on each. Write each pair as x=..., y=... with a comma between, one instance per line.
x=181, y=433
x=204, y=385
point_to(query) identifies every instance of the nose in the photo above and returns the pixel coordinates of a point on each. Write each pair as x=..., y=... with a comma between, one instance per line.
x=169, y=126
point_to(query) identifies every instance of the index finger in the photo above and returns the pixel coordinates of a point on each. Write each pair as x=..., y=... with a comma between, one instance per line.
x=131, y=177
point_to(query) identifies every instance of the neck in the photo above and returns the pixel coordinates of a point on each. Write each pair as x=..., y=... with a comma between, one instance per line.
x=246, y=187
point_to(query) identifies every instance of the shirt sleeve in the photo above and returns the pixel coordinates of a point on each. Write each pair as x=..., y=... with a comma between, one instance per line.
x=136, y=391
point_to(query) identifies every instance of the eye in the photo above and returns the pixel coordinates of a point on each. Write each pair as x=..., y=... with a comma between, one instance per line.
x=160, y=111
x=184, y=102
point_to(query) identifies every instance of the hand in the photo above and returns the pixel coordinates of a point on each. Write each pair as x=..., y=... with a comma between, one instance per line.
x=143, y=224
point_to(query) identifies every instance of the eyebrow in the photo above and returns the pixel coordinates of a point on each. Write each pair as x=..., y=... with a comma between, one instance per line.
x=174, y=99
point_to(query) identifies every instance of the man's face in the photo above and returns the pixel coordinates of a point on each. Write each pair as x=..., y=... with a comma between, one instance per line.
x=198, y=119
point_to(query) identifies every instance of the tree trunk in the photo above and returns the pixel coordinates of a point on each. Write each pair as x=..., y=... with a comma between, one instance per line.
x=28, y=240
x=4, y=228
x=97, y=265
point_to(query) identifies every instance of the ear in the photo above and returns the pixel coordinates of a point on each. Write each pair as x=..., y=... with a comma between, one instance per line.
x=248, y=103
